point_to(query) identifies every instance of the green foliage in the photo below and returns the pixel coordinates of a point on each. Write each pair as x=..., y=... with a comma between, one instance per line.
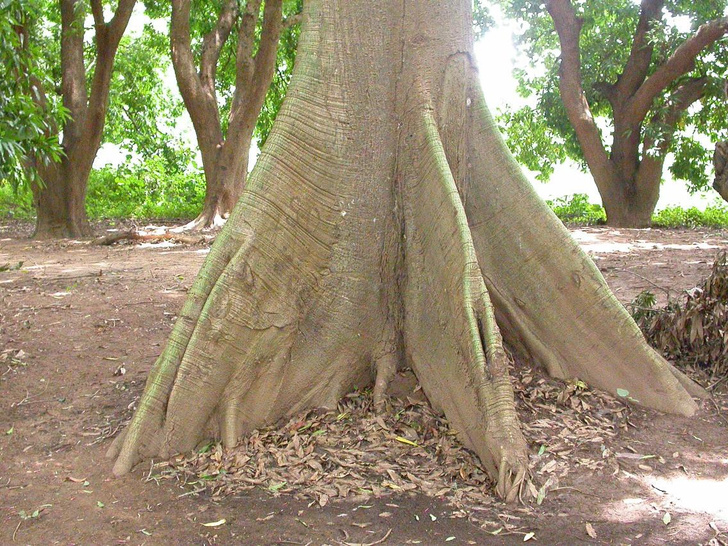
x=576, y=209
x=27, y=118
x=536, y=146
x=143, y=113
x=716, y=216
x=606, y=40
x=482, y=19
x=147, y=190
x=16, y=203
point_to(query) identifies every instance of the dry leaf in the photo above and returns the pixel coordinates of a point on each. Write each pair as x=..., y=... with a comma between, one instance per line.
x=590, y=530
x=215, y=523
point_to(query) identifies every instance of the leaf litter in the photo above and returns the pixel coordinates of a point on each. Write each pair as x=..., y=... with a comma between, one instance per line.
x=354, y=453
x=694, y=331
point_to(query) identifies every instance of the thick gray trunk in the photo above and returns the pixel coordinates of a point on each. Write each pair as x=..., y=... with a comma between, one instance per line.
x=386, y=224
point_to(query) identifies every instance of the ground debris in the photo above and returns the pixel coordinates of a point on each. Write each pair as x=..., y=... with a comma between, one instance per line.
x=693, y=332
x=349, y=453
x=355, y=453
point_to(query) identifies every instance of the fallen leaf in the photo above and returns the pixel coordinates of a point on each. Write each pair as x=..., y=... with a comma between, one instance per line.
x=406, y=441
x=215, y=523
x=590, y=530
x=529, y=536
x=667, y=518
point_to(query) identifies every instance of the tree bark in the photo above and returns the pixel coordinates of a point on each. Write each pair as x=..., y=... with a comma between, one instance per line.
x=628, y=176
x=385, y=225
x=60, y=198
x=225, y=155
x=720, y=167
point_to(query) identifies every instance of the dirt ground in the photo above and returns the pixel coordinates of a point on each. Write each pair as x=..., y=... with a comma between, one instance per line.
x=72, y=315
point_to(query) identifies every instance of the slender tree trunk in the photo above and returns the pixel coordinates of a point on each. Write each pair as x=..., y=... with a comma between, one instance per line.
x=720, y=168
x=225, y=156
x=384, y=225
x=60, y=197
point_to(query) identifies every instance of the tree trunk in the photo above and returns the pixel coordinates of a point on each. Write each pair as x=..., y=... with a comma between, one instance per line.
x=61, y=196
x=384, y=225
x=225, y=156
x=630, y=199
x=60, y=202
x=720, y=167
x=225, y=172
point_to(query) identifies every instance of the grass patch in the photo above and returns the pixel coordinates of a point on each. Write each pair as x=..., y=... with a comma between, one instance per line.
x=576, y=210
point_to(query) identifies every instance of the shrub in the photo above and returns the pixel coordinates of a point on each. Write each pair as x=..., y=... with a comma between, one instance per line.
x=144, y=191
x=577, y=210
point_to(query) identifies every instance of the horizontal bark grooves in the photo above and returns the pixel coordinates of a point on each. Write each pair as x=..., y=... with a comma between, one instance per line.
x=353, y=244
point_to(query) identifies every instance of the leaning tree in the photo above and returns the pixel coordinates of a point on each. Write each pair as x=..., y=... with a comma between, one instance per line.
x=385, y=225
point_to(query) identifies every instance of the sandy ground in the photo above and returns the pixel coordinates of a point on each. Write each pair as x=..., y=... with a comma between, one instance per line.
x=72, y=314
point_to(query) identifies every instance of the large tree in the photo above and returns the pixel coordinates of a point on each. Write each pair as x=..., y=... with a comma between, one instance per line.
x=652, y=69
x=224, y=128
x=60, y=196
x=384, y=225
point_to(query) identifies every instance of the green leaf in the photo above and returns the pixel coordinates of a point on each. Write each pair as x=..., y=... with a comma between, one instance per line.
x=277, y=486
x=623, y=393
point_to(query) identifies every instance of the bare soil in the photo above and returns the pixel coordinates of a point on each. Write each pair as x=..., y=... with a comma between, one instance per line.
x=80, y=326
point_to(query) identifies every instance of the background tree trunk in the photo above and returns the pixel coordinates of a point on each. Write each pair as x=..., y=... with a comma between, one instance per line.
x=60, y=198
x=60, y=203
x=628, y=177
x=385, y=224
x=225, y=155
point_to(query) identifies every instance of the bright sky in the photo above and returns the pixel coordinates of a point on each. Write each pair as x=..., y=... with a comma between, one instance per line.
x=495, y=55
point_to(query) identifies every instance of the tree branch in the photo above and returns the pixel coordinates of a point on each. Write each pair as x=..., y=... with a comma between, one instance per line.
x=679, y=64
x=244, y=66
x=108, y=36
x=97, y=10
x=200, y=101
x=213, y=42
x=637, y=65
x=73, y=71
x=568, y=26
x=265, y=58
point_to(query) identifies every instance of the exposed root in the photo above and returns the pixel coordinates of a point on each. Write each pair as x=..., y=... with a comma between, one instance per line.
x=450, y=332
x=552, y=302
x=386, y=367
x=136, y=235
x=206, y=221
x=511, y=476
